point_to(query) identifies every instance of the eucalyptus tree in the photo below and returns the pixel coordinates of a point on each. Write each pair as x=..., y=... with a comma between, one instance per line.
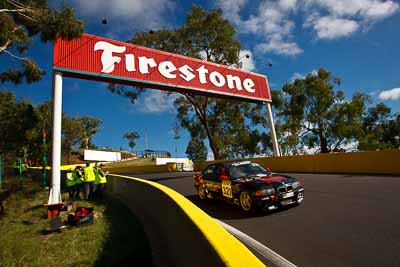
x=131, y=137
x=316, y=113
x=20, y=22
x=209, y=37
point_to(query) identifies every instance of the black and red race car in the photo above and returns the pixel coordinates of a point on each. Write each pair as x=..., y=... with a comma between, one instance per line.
x=248, y=185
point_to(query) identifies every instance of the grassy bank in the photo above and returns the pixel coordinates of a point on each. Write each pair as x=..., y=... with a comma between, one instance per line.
x=115, y=239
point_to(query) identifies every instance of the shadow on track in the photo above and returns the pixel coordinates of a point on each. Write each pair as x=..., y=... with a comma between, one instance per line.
x=225, y=211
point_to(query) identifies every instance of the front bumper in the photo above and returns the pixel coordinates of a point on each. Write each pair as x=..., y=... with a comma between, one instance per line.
x=281, y=199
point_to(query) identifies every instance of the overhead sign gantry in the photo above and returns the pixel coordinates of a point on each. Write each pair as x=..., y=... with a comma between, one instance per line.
x=100, y=59
x=95, y=58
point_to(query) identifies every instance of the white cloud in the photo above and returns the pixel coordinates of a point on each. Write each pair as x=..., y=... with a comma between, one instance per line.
x=232, y=8
x=314, y=72
x=280, y=47
x=298, y=75
x=155, y=101
x=380, y=10
x=331, y=28
x=247, y=63
x=365, y=9
x=271, y=23
x=135, y=13
x=287, y=4
x=392, y=94
x=332, y=19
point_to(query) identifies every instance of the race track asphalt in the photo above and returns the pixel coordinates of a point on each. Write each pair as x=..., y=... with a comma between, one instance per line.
x=346, y=220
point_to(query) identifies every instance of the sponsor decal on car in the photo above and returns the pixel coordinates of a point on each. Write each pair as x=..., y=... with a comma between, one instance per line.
x=227, y=189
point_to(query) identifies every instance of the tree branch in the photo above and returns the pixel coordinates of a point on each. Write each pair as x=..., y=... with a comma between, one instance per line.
x=303, y=133
x=308, y=127
x=204, y=106
x=338, y=144
x=203, y=118
x=22, y=10
x=196, y=108
x=5, y=46
x=13, y=10
x=14, y=56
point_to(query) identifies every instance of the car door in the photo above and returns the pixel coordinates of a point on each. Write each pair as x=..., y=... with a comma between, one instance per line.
x=213, y=185
x=235, y=183
x=224, y=181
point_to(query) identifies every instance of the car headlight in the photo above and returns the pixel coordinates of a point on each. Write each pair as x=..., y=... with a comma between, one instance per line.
x=296, y=184
x=270, y=190
x=265, y=192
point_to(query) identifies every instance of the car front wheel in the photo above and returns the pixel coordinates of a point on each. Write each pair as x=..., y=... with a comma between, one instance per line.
x=246, y=203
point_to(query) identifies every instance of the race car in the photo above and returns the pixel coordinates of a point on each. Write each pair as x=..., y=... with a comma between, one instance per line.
x=248, y=185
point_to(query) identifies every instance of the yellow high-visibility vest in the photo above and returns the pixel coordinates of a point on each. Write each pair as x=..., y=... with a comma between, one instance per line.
x=89, y=174
x=78, y=177
x=100, y=179
x=70, y=181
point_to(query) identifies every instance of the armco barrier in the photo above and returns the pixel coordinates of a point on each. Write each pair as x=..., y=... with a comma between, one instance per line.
x=133, y=169
x=368, y=162
x=180, y=233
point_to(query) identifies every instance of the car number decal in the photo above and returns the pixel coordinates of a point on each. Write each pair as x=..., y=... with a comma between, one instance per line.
x=227, y=189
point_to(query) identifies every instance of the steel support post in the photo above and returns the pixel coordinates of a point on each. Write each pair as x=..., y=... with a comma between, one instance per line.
x=275, y=145
x=55, y=192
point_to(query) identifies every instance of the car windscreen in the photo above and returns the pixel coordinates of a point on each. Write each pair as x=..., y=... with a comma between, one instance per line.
x=238, y=171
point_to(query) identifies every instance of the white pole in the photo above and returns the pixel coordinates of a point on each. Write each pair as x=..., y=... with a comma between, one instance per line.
x=145, y=137
x=275, y=145
x=55, y=193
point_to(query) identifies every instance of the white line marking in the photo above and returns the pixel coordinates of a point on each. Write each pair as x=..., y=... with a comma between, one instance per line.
x=266, y=252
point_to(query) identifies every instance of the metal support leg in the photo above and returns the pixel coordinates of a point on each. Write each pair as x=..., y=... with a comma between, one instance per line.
x=55, y=192
x=275, y=145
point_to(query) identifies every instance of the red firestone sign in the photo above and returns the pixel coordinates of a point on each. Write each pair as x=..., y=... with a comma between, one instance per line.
x=96, y=58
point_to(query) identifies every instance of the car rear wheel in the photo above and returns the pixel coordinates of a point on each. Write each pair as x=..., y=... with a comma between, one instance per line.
x=246, y=203
x=201, y=192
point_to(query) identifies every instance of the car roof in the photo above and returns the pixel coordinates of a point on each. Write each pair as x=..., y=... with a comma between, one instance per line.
x=232, y=163
x=238, y=163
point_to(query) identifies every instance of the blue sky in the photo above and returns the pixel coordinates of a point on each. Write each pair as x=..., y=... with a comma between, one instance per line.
x=357, y=41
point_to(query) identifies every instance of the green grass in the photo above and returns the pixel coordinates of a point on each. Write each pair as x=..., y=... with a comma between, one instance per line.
x=115, y=239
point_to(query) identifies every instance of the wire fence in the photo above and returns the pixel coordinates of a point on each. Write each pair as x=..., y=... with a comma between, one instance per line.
x=16, y=164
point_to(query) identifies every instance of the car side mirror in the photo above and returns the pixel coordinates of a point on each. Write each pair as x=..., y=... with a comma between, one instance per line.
x=268, y=169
